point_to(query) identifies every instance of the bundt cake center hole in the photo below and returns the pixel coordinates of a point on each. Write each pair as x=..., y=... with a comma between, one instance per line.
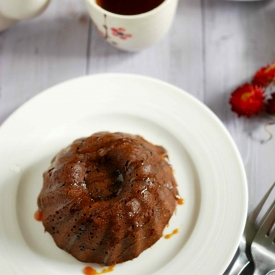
x=103, y=182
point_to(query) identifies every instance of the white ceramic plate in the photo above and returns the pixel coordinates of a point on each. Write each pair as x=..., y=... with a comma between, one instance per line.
x=208, y=169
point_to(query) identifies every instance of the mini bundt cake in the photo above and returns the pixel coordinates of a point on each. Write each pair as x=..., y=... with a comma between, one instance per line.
x=108, y=197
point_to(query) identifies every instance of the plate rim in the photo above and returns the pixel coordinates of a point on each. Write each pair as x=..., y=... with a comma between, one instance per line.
x=190, y=97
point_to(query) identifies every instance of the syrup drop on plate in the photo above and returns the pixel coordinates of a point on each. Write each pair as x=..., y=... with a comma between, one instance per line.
x=90, y=271
x=38, y=216
x=180, y=201
x=168, y=236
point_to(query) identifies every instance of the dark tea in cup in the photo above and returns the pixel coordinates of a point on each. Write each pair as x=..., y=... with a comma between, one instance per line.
x=128, y=7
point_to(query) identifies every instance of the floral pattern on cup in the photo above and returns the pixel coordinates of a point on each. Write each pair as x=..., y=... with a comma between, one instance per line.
x=120, y=32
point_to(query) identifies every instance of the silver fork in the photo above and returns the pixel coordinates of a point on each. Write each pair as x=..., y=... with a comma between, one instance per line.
x=251, y=228
x=263, y=246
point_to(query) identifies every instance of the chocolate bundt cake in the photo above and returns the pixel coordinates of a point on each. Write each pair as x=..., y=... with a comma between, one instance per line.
x=108, y=197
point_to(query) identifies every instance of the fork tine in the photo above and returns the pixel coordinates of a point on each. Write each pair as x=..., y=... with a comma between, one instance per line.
x=257, y=210
x=266, y=213
x=253, y=216
x=272, y=235
x=268, y=222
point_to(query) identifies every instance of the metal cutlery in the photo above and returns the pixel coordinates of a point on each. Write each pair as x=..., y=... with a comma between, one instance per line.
x=250, y=231
x=263, y=246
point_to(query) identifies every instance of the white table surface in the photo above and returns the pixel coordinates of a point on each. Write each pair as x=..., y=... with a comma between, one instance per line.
x=212, y=47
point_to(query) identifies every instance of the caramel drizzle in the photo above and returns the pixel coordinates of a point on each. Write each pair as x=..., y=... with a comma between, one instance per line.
x=168, y=236
x=90, y=271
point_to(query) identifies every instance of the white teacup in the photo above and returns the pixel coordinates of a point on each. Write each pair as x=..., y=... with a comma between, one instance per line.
x=6, y=22
x=133, y=32
x=13, y=10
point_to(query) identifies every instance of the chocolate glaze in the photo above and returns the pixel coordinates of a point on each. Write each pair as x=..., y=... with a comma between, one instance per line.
x=108, y=197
